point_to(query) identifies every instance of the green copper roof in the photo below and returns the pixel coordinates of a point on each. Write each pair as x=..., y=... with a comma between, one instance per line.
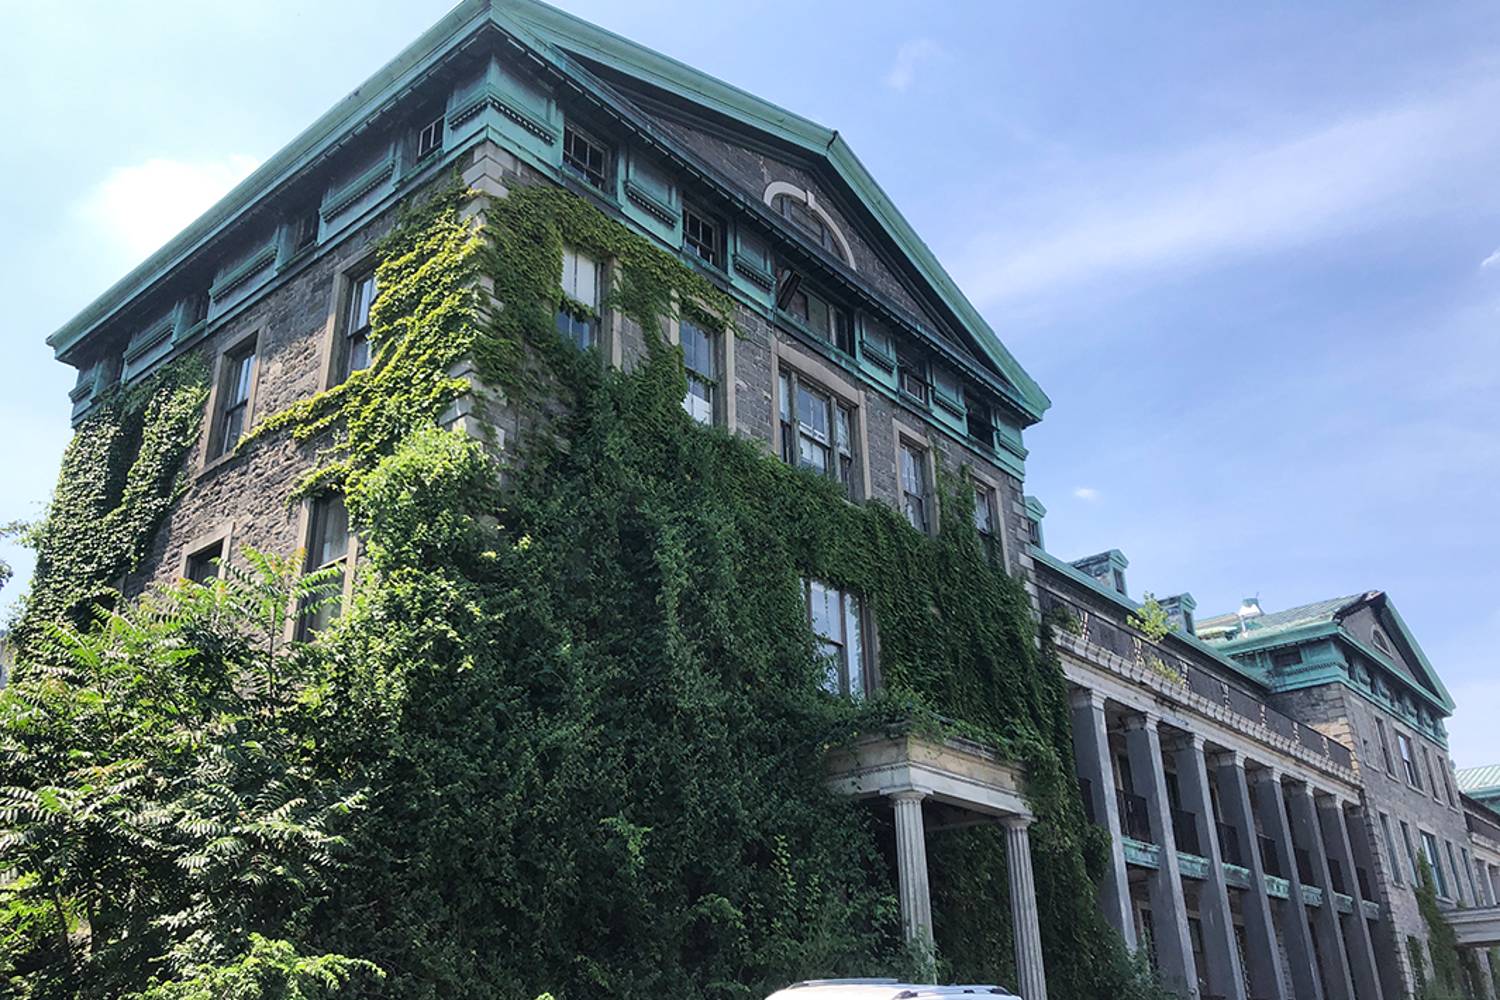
x=1283, y=621
x=1478, y=780
x=560, y=35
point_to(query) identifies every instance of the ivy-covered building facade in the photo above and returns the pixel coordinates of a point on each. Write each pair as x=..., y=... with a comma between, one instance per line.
x=1241, y=807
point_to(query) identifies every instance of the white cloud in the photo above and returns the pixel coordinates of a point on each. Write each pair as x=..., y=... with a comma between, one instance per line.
x=912, y=54
x=138, y=208
x=1493, y=260
x=1186, y=208
x=1086, y=493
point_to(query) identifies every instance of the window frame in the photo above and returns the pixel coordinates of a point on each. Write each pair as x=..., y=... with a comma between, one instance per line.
x=582, y=171
x=1408, y=760
x=1390, y=848
x=1411, y=854
x=425, y=145
x=840, y=330
x=844, y=678
x=694, y=244
x=351, y=336
x=991, y=542
x=231, y=360
x=217, y=540
x=840, y=442
x=308, y=621
x=1434, y=858
x=1385, y=747
x=575, y=315
x=713, y=381
x=919, y=453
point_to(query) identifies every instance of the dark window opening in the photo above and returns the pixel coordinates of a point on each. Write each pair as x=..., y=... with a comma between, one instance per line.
x=800, y=214
x=586, y=158
x=980, y=425
x=203, y=565
x=1286, y=658
x=915, y=496
x=327, y=549
x=825, y=319
x=305, y=233
x=701, y=363
x=911, y=372
x=703, y=236
x=817, y=431
x=356, y=348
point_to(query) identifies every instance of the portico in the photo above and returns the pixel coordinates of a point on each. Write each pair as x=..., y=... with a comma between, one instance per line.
x=934, y=784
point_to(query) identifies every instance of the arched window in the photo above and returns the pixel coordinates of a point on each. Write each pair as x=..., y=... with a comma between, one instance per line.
x=801, y=209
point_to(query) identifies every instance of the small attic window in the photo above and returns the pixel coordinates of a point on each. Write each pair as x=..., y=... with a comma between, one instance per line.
x=1381, y=643
x=586, y=157
x=430, y=138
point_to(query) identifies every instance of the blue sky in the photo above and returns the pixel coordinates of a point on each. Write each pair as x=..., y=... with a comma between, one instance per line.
x=1252, y=252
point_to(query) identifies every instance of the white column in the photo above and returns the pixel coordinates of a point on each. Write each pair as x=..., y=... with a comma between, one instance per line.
x=1030, y=970
x=1095, y=764
x=911, y=865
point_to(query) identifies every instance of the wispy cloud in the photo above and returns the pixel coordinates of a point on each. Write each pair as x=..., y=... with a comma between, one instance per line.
x=138, y=208
x=1189, y=208
x=1086, y=493
x=912, y=54
x=1493, y=260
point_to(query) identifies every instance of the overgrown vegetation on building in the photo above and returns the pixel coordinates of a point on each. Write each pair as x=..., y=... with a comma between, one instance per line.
x=569, y=736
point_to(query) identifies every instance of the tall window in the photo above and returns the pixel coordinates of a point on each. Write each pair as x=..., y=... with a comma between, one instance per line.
x=915, y=496
x=1474, y=893
x=980, y=425
x=1390, y=848
x=703, y=235
x=203, y=565
x=586, y=157
x=1411, y=855
x=1432, y=782
x=305, y=229
x=1434, y=861
x=817, y=431
x=237, y=375
x=838, y=623
x=1403, y=745
x=578, y=314
x=985, y=517
x=1385, y=748
x=356, y=347
x=1443, y=765
x=1458, y=885
x=827, y=320
x=327, y=548
x=878, y=339
x=700, y=359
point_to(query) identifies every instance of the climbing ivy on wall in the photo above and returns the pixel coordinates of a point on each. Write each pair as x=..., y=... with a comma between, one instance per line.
x=580, y=686
x=120, y=475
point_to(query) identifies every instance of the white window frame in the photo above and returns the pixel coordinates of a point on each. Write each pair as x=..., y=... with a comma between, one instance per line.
x=573, y=317
x=851, y=676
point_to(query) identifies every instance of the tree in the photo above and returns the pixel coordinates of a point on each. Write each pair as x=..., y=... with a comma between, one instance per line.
x=160, y=794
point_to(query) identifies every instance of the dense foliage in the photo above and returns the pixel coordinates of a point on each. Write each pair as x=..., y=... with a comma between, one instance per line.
x=569, y=736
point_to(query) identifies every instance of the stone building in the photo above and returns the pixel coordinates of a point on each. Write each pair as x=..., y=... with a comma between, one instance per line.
x=1265, y=810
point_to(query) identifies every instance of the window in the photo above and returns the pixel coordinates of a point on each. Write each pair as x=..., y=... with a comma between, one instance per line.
x=578, y=314
x=945, y=384
x=986, y=516
x=911, y=374
x=327, y=548
x=1380, y=641
x=1432, y=783
x=1469, y=874
x=1119, y=579
x=981, y=425
x=1411, y=856
x=703, y=236
x=1283, y=658
x=1390, y=848
x=1448, y=782
x=1385, y=748
x=914, y=493
x=356, y=347
x=1034, y=531
x=1458, y=885
x=586, y=158
x=1403, y=746
x=430, y=138
x=237, y=375
x=196, y=310
x=822, y=317
x=837, y=622
x=700, y=359
x=817, y=431
x=305, y=230
x=203, y=565
x=802, y=215
x=878, y=340
x=1434, y=861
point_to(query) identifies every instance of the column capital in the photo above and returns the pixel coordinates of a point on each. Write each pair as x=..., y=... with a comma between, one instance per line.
x=1085, y=698
x=1141, y=720
x=1228, y=758
x=907, y=795
x=1017, y=821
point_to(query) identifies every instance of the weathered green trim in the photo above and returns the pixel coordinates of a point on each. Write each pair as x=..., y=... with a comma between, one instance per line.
x=1236, y=875
x=649, y=203
x=142, y=346
x=1140, y=853
x=1371, y=909
x=1192, y=866
x=243, y=272
x=1443, y=696
x=1277, y=886
x=1343, y=903
x=1311, y=895
x=340, y=201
